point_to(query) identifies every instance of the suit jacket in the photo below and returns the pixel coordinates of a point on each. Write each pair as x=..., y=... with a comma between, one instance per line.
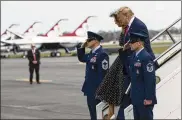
x=137, y=26
x=97, y=65
x=143, y=80
x=31, y=58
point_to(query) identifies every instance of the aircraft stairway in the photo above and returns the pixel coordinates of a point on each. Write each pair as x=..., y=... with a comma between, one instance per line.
x=168, y=90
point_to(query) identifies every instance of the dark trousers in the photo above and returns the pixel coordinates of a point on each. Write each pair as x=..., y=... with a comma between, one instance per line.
x=31, y=70
x=92, y=102
x=126, y=101
x=143, y=112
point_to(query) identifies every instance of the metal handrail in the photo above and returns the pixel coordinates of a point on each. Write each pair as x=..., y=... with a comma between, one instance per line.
x=169, y=49
x=165, y=52
x=173, y=40
x=167, y=59
x=174, y=45
x=165, y=30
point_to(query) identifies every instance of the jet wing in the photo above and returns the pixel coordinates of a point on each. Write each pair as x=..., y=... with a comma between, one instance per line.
x=16, y=35
x=5, y=43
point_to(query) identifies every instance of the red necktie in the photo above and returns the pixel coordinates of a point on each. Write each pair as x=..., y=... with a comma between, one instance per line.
x=126, y=30
x=34, y=56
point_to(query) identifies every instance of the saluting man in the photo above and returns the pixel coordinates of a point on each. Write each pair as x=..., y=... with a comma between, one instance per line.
x=34, y=62
x=97, y=65
x=143, y=81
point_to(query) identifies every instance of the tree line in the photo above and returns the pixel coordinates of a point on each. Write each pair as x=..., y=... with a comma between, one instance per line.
x=114, y=35
x=109, y=36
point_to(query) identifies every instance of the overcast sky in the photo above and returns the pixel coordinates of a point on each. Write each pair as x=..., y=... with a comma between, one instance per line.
x=155, y=14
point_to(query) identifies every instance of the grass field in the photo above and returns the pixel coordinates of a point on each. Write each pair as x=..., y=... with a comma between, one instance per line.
x=158, y=48
x=153, y=45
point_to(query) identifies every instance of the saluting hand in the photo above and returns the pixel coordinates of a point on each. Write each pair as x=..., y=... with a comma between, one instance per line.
x=147, y=102
x=84, y=45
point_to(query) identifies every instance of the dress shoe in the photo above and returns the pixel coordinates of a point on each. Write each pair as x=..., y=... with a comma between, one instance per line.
x=38, y=83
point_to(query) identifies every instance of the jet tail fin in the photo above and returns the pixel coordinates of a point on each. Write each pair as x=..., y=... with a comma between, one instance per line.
x=52, y=28
x=28, y=30
x=12, y=25
x=80, y=26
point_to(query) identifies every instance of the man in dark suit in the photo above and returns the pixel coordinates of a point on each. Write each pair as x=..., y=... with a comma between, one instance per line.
x=143, y=81
x=130, y=23
x=97, y=65
x=124, y=17
x=34, y=63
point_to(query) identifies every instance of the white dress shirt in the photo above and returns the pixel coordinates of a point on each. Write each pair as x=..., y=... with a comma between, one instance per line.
x=131, y=21
x=96, y=49
x=33, y=51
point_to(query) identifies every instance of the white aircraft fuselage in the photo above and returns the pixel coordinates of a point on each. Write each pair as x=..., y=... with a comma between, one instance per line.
x=65, y=41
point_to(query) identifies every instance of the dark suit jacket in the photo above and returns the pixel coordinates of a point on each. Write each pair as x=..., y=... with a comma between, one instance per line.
x=31, y=58
x=138, y=26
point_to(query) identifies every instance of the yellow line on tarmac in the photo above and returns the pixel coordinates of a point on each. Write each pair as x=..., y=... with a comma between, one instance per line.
x=25, y=79
x=81, y=63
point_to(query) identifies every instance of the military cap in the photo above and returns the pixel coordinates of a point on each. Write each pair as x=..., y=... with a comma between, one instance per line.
x=93, y=36
x=135, y=35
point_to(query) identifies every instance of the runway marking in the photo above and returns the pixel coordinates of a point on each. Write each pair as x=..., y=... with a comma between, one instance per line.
x=25, y=79
x=81, y=63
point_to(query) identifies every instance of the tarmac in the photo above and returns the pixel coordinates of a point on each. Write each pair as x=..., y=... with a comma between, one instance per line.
x=58, y=96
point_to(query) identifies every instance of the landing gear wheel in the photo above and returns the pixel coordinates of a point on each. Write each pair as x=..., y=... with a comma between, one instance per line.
x=52, y=54
x=24, y=54
x=6, y=56
x=58, y=54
